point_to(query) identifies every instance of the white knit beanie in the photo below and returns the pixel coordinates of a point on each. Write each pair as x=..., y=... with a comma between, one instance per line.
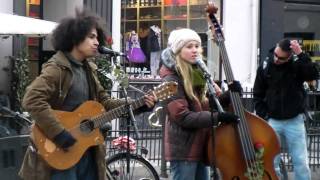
x=180, y=37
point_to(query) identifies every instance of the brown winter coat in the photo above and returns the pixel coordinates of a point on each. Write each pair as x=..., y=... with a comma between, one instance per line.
x=45, y=94
x=188, y=123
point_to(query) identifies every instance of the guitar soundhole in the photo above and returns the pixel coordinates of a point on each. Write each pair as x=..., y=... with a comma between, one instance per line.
x=86, y=126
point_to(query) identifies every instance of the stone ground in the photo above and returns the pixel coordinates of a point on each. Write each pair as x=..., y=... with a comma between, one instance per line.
x=315, y=175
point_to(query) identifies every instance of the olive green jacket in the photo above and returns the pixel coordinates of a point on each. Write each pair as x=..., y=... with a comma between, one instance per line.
x=45, y=94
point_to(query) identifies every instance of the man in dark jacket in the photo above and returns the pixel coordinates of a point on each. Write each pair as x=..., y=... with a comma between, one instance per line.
x=279, y=97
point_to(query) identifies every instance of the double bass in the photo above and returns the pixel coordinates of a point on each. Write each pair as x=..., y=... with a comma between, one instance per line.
x=245, y=150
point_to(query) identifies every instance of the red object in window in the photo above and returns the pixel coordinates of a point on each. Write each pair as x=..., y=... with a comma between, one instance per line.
x=109, y=41
x=33, y=41
x=35, y=2
x=167, y=2
x=34, y=14
x=182, y=2
x=175, y=2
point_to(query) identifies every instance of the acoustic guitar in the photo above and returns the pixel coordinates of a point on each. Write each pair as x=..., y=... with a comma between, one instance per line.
x=84, y=124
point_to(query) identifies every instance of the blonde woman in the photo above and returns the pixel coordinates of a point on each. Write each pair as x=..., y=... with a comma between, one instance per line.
x=188, y=122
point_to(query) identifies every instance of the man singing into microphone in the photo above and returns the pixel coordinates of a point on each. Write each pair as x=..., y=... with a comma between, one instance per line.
x=189, y=121
x=66, y=81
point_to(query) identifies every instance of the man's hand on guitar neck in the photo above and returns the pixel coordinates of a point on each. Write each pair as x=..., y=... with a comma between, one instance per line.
x=150, y=100
x=64, y=140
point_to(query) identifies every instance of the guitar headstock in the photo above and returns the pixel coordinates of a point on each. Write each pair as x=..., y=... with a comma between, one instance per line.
x=215, y=27
x=165, y=90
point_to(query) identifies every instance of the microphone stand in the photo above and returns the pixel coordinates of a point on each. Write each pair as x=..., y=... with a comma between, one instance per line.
x=129, y=116
x=129, y=113
x=15, y=115
x=130, y=121
x=128, y=105
x=213, y=100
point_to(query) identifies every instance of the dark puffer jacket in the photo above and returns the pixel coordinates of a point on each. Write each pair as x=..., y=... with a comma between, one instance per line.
x=278, y=90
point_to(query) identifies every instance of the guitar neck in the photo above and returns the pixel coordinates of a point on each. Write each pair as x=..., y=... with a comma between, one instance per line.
x=100, y=120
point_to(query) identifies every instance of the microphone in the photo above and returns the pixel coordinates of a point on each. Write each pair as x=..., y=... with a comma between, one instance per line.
x=105, y=50
x=202, y=66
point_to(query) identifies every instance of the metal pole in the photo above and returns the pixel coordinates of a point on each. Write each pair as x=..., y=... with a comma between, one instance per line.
x=163, y=165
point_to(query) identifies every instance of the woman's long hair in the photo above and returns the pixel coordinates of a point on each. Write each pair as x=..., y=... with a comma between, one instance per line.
x=185, y=70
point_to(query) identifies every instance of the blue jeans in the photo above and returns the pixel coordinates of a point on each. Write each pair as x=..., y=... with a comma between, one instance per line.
x=189, y=170
x=294, y=133
x=85, y=169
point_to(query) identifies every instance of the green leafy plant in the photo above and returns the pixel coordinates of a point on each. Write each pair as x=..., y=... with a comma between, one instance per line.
x=256, y=171
x=121, y=77
x=20, y=78
x=104, y=67
x=107, y=73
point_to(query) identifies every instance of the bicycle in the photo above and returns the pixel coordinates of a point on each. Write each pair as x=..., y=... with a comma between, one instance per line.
x=139, y=168
x=124, y=164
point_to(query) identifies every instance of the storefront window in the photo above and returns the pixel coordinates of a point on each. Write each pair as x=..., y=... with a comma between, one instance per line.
x=33, y=10
x=301, y=23
x=144, y=19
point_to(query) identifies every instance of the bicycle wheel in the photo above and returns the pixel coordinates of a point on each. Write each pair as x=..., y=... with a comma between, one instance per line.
x=140, y=168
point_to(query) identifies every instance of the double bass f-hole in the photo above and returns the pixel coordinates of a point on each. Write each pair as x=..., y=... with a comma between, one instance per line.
x=245, y=150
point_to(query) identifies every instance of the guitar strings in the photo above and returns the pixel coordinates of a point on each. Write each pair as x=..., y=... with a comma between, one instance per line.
x=100, y=119
x=244, y=144
x=242, y=128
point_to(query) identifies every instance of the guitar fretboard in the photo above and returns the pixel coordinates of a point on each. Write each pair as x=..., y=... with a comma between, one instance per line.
x=116, y=112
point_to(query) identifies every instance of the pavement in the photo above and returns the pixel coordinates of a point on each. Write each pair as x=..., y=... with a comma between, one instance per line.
x=315, y=174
